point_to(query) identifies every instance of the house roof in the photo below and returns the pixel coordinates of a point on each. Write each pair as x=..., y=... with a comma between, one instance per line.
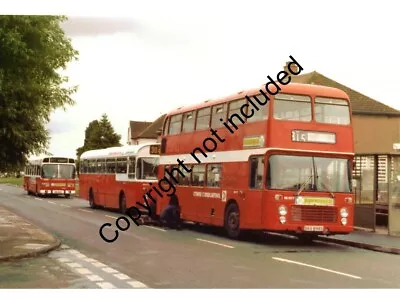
x=136, y=127
x=151, y=131
x=360, y=103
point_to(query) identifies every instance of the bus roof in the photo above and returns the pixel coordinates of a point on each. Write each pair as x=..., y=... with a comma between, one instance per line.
x=292, y=88
x=123, y=151
x=51, y=159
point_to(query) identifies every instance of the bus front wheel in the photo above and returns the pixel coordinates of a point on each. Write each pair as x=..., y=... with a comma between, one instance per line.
x=232, y=221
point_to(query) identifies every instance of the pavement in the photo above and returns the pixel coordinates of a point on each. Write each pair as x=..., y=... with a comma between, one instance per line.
x=20, y=238
x=195, y=257
x=364, y=239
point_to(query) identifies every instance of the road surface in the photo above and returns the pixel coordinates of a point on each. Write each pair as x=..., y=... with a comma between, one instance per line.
x=152, y=257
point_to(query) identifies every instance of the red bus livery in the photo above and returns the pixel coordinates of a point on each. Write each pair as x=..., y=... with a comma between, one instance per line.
x=50, y=175
x=282, y=165
x=117, y=177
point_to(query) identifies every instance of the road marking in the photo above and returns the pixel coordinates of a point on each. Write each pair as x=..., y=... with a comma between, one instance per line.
x=75, y=263
x=83, y=271
x=109, y=270
x=51, y=202
x=38, y=199
x=64, y=205
x=121, y=276
x=111, y=217
x=223, y=245
x=156, y=228
x=315, y=267
x=98, y=264
x=105, y=285
x=94, y=278
x=137, y=284
x=88, y=211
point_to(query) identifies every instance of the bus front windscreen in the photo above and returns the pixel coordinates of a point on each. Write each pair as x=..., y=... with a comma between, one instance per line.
x=323, y=174
x=67, y=171
x=58, y=171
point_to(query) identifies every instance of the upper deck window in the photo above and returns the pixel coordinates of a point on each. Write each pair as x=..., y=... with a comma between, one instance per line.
x=175, y=124
x=203, y=118
x=332, y=111
x=235, y=107
x=218, y=112
x=188, y=122
x=292, y=107
x=262, y=113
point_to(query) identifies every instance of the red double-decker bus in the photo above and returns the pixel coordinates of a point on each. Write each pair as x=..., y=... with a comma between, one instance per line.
x=284, y=166
x=116, y=177
x=50, y=175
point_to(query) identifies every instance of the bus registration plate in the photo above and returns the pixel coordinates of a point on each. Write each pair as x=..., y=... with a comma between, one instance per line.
x=58, y=192
x=313, y=228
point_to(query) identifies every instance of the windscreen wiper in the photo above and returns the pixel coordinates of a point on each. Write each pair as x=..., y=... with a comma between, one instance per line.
x=303, y=185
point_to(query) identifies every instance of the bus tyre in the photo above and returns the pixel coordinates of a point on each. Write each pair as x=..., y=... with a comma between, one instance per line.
x=122, y=203
x=67, y=196
x=232, y=221
x=91, y=200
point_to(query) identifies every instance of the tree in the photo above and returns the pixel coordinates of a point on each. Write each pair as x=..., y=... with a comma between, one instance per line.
x=33, y=49
x=99, y=134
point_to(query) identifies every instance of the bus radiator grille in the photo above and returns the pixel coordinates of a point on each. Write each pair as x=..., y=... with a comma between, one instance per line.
x=323, y=214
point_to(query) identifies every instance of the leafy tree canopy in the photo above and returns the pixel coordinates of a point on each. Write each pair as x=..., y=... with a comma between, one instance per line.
x=99, y=134
x=33, y=49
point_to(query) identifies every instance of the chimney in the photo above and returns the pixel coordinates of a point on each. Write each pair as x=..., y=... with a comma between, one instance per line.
x=293, y=69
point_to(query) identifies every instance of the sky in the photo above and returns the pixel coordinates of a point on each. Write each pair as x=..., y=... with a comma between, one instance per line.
x=140, y=59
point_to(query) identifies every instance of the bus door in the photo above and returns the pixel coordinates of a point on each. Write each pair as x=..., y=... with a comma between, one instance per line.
x=213, y=194
x=200, y=206
x=253, y=211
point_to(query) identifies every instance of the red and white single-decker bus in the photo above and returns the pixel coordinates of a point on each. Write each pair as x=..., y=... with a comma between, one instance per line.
x=50, y=175
x=117, y=177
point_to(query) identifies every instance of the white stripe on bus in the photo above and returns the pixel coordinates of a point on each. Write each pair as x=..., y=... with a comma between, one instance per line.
x=231, y=156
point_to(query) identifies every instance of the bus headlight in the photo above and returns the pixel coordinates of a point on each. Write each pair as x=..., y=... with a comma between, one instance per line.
x=282, y=210
x=344, y=221
x=344, y=213
x=282, y=220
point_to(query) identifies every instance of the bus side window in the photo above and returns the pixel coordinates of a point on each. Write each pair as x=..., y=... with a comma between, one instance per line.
x=166, y=126
x=110, y=165
x=101, y=164
x=184, y=180
x=188, y=121
x=175, y=124
x=256, y=172
x=122, y=165
x=203, y=118
x=218, y=112
x=214, y=175
x=198, y=174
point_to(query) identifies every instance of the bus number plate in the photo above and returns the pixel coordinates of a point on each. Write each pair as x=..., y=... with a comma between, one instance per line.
x=58, y=192
x=313, y=228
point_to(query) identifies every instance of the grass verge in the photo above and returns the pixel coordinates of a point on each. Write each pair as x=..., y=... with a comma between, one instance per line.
x=12, y=180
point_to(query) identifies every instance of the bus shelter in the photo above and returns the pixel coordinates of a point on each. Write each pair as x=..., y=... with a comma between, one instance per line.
x=376, y=182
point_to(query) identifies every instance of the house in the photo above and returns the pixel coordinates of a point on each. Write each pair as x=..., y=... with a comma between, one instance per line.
x=145, y=132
